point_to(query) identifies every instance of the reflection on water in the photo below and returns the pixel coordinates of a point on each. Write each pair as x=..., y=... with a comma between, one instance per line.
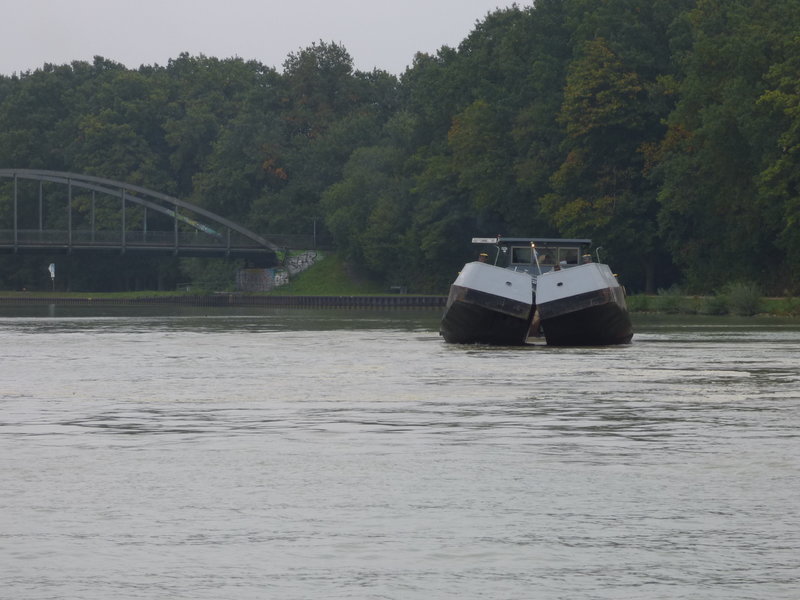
x=211, y=453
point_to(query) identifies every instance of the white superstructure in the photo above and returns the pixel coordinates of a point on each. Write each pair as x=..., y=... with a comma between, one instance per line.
x=582, y=279
x=496, y=281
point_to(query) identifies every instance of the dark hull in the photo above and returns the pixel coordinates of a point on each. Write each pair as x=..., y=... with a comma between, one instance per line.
x=474, y=317
x=597, y=318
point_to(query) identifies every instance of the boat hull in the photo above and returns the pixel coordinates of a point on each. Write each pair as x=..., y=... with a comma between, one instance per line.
x=594, y=319
x=583, y=306
x=474, y=317
x=488, y=305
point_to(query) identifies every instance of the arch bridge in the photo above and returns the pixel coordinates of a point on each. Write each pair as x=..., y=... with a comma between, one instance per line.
x=60, y=212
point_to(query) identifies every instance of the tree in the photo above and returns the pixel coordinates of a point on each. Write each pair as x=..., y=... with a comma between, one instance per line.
x=600, y=189
x=204, y=96
x=482, y=160
x=327, y=112
x=319, y=87
x=779, y=181
x=365, y=210
x=714, y=214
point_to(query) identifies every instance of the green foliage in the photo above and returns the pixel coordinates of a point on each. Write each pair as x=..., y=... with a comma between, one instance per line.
x=782, y=306
x=727, y=126
x=738, y=298
x=81, y=272
x=209, y=275
x=718, y=304
x=670, y=301
x=668, y=132
x=611, y=114
x=744, y=298
x=639, y=303
x=331, y=276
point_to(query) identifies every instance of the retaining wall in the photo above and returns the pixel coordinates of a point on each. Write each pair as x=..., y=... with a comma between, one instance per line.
x=393, y=301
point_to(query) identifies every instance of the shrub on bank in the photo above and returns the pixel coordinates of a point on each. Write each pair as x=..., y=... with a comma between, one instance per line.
x=714, y=305
x=744, y=299
x=739, y=298
x=638, y=303
x=789, y=307
x=671, y=301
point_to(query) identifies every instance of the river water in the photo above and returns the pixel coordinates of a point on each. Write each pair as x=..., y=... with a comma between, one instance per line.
x=202, y=453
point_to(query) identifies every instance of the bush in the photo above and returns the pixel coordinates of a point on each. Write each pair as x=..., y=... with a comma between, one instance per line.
x=744, y=299
x=789, y=306
x=693, y=305
x=209, y=275
x=670, y=301
x=714, y=305
x=638, y=303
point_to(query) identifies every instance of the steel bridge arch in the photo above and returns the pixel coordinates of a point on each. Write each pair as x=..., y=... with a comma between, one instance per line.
x=248, y=243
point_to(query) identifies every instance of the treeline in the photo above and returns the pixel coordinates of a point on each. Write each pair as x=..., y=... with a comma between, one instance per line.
x=668, y=131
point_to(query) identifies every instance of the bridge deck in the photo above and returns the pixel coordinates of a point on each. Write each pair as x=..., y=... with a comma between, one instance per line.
x=147, y=242
x=66, y=207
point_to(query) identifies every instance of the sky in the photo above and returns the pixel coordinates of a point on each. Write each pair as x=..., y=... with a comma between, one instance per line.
x=383, y=34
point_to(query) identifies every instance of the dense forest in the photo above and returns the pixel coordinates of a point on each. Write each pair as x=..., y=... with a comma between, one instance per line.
x=667, y=131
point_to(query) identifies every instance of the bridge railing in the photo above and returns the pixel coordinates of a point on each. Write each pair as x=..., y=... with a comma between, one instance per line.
x=167, y=239
x=68, y=206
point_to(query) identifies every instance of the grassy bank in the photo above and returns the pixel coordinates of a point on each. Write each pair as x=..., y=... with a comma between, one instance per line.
x=329, y=276
x=673, y=304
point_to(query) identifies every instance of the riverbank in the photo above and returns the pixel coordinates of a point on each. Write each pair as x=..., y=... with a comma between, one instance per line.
x=225, y=299
x=638, y=304
x=718, y=305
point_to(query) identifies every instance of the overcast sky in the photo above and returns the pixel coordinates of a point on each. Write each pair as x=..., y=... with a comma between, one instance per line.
x=377, y=33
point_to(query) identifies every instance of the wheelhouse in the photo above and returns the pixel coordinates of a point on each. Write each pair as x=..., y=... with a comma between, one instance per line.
x=535, y=255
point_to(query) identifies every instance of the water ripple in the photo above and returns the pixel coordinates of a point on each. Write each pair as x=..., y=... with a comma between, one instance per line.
x=339, y=455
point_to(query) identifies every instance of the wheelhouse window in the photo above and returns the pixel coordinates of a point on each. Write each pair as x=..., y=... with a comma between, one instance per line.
x=521, y=255
x=546, y=256
x=568, y=256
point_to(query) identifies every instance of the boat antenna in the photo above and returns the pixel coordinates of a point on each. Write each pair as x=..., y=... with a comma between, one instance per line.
x=536, y=257
x=597, y=253
x=500, y=248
